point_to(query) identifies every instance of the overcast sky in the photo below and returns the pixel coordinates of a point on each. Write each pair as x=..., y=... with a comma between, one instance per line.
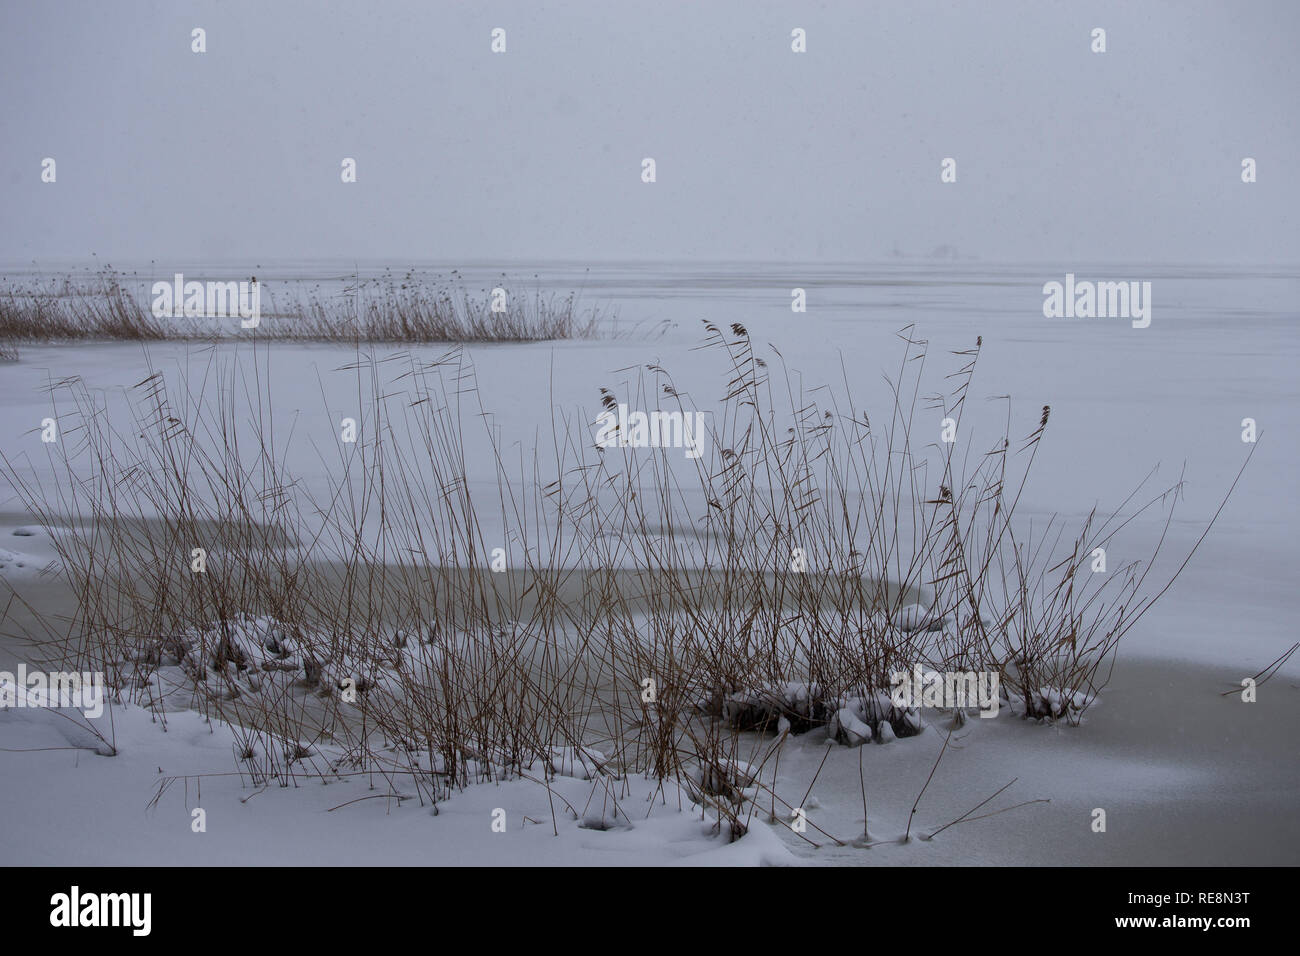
x=761, y=153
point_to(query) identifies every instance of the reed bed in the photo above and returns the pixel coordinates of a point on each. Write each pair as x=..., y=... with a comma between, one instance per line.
x=407, y=309
x=647, y=613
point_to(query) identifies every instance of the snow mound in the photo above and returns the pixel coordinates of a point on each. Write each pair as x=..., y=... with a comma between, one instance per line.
x=13, y=559
x=853, y=718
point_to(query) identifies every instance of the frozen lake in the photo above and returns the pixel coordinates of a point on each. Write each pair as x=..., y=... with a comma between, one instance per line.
x=1222, y=346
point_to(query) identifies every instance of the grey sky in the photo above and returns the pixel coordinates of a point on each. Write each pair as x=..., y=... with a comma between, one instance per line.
x=762, y=153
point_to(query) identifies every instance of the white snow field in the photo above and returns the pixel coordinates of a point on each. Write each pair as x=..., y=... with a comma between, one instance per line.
x=1185, y=773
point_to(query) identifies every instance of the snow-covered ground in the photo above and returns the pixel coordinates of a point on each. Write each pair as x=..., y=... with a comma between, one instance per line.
x=1184, y=774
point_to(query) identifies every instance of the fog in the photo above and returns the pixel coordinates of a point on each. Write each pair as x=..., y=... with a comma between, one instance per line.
x=761, y=153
